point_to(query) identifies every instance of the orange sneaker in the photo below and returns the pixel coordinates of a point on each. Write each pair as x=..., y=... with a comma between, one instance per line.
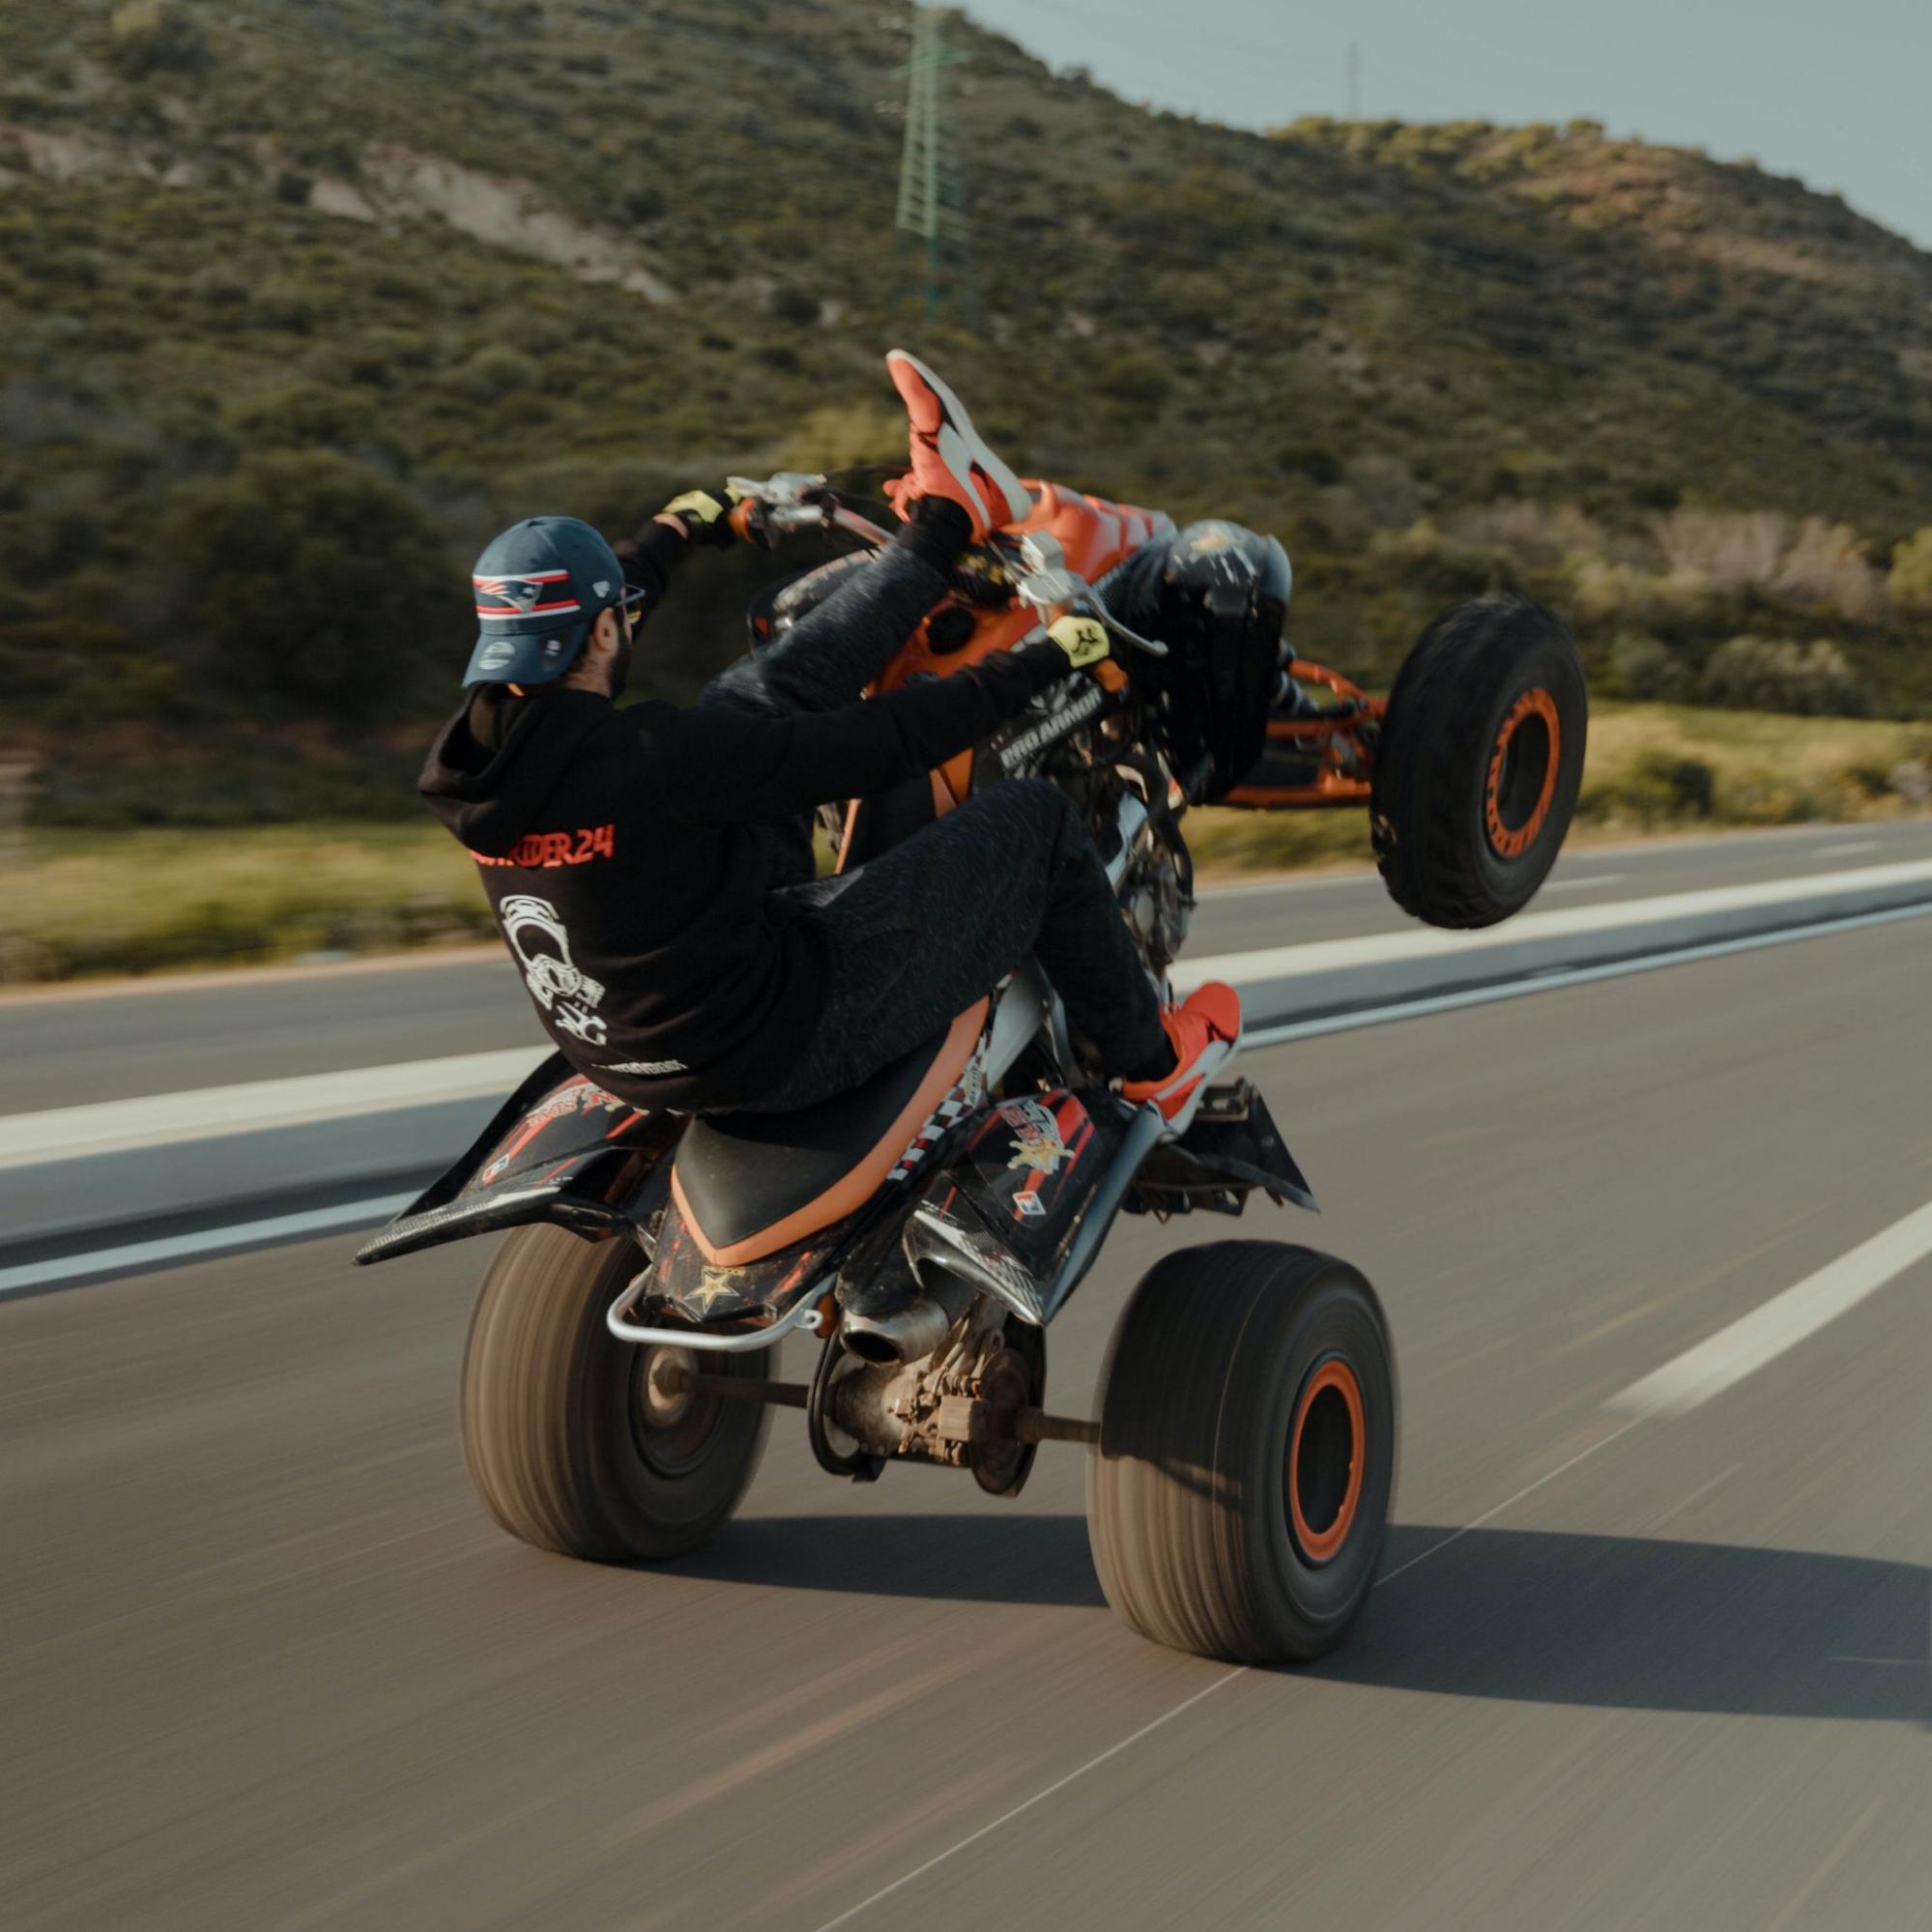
x=1203, y=1030
x=949, y=458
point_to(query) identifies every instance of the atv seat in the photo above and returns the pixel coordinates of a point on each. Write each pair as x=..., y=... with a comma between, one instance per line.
x=749, y=1184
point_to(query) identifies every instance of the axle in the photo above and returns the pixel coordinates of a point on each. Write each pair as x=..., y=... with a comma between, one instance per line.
x=957, y=1419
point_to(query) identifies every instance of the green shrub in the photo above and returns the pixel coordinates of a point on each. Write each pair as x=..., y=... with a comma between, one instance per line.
x=1134, y=379
x=147, y=36
x=1759, y=674
x=1645, y=667
x=1910, y=580
x=309, y=581
x=1691, y=783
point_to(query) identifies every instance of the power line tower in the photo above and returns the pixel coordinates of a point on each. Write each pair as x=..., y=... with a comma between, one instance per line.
x=932, y=185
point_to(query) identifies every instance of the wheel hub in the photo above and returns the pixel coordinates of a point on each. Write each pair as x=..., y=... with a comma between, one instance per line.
x=665, y=1391
x=1326, y=1447
x=1520, y=785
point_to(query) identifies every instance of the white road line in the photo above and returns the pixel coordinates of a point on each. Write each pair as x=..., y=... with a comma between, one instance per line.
x=1849, y=850
x=1570, y=922
x=156, y=1120
x=1691, y=1378
x=160, y=1119
x=1583, y=884
x=1253, y=889
x=1563, y=976
x=1207, y=1690
x=1780, y=1324
x=1038, y=1798
x=218, y=1240
x=1509, y=1502
x=36, y=1274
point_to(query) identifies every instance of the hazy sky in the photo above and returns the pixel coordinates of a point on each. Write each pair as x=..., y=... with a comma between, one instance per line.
x=1836, y=92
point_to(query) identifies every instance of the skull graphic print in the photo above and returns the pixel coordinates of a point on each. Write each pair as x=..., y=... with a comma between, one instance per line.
x=537, y=936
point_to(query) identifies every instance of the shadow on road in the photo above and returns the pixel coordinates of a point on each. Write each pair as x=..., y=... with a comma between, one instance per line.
x=989, y=1559
x=1642, y=1624
x=1524, y=1615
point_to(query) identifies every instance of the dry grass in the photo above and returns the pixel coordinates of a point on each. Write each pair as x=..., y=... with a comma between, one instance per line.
x=84, y=902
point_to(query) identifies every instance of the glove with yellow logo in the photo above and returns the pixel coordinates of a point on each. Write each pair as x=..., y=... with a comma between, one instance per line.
x=1082, y=639
x=711, y=517
x=1085, y=642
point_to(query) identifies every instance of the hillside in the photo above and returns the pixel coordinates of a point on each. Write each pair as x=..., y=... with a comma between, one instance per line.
x=299, y=298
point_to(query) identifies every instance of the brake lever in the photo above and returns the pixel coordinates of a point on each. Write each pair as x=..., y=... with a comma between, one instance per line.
x=792, y=500
x=1043, y=581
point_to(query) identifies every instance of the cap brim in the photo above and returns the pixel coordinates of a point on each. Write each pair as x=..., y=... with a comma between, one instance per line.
x=527, y=657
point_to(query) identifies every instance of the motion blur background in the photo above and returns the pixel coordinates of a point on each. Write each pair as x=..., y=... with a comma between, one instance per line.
x=301, y=298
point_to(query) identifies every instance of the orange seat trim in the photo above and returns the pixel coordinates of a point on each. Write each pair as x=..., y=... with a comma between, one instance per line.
x=866, y=1175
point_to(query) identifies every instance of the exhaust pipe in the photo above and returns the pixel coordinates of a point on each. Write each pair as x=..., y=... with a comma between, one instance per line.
x=912, y=1332
x=907, y=1335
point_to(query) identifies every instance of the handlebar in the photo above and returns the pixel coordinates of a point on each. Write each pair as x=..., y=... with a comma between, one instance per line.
x=1033, y=563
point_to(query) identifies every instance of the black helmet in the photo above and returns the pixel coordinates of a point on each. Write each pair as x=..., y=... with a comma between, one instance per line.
x=1217, y=595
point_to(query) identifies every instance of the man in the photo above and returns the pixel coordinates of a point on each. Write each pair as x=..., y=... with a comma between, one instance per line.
x=651, y=867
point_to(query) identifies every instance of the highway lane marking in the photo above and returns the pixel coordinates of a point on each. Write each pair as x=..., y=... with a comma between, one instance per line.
x=1582, y=884
x=135, y=1254
x=1767, y=1332
x=1527, y=928
x=161, y=1119
x=1560, y=977
x=1509, y=1502
x=62, y=1133
x=1038, y=1798
x=1848, y=850
x=108, y=1260
x=1187, y=1704
x=1693, y=1377
x=1663, y=848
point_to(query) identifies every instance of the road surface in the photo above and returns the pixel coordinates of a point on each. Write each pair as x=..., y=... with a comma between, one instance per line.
x=264, y=1665
x=133, y=1038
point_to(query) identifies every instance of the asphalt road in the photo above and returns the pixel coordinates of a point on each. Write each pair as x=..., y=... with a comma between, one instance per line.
x=266, y=1665
x=67, y=1048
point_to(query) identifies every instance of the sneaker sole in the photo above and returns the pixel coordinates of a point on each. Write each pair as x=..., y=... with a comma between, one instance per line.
x=964, y=451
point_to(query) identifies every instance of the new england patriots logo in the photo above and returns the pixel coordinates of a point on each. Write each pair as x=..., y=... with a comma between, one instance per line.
x=540, y=593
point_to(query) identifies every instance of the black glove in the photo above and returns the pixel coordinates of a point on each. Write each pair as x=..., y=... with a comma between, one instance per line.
x=711, y=517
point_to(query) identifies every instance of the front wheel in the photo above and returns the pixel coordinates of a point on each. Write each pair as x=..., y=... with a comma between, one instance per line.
x=581, y=1443
x=1478, y=762
x=1239, y=1496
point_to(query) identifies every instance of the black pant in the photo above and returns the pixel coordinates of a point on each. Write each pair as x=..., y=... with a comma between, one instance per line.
x=920, y=932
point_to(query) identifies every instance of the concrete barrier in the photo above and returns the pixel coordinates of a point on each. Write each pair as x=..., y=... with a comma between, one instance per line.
x=116, y=1165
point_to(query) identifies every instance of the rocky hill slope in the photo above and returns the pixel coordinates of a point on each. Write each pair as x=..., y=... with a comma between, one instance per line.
x=298, y=298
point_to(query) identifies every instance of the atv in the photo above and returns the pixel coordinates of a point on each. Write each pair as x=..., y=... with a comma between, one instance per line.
x=926, y=1229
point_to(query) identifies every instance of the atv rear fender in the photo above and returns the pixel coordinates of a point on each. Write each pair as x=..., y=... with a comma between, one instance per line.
x=559, y=1149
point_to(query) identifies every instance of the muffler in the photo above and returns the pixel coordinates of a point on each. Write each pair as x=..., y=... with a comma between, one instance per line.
x=907, y=1335
x=912, y=1332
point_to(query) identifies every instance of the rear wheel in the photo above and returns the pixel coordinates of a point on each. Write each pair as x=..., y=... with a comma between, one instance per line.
x=1247, y=1457
x=1479, y=761
x=581, y=1443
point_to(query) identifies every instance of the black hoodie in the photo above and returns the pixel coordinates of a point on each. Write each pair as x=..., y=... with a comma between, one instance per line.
x=617, y=850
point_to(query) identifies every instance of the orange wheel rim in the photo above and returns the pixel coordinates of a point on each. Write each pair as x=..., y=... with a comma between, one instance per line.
x=1328, y=1438
x=1515, y=801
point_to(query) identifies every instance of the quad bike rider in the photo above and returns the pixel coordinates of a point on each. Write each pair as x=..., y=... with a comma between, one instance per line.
x=675, y=850
x=731, y=1147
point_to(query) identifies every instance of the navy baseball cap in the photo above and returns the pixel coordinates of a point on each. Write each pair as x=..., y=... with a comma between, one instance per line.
x=540, y=586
